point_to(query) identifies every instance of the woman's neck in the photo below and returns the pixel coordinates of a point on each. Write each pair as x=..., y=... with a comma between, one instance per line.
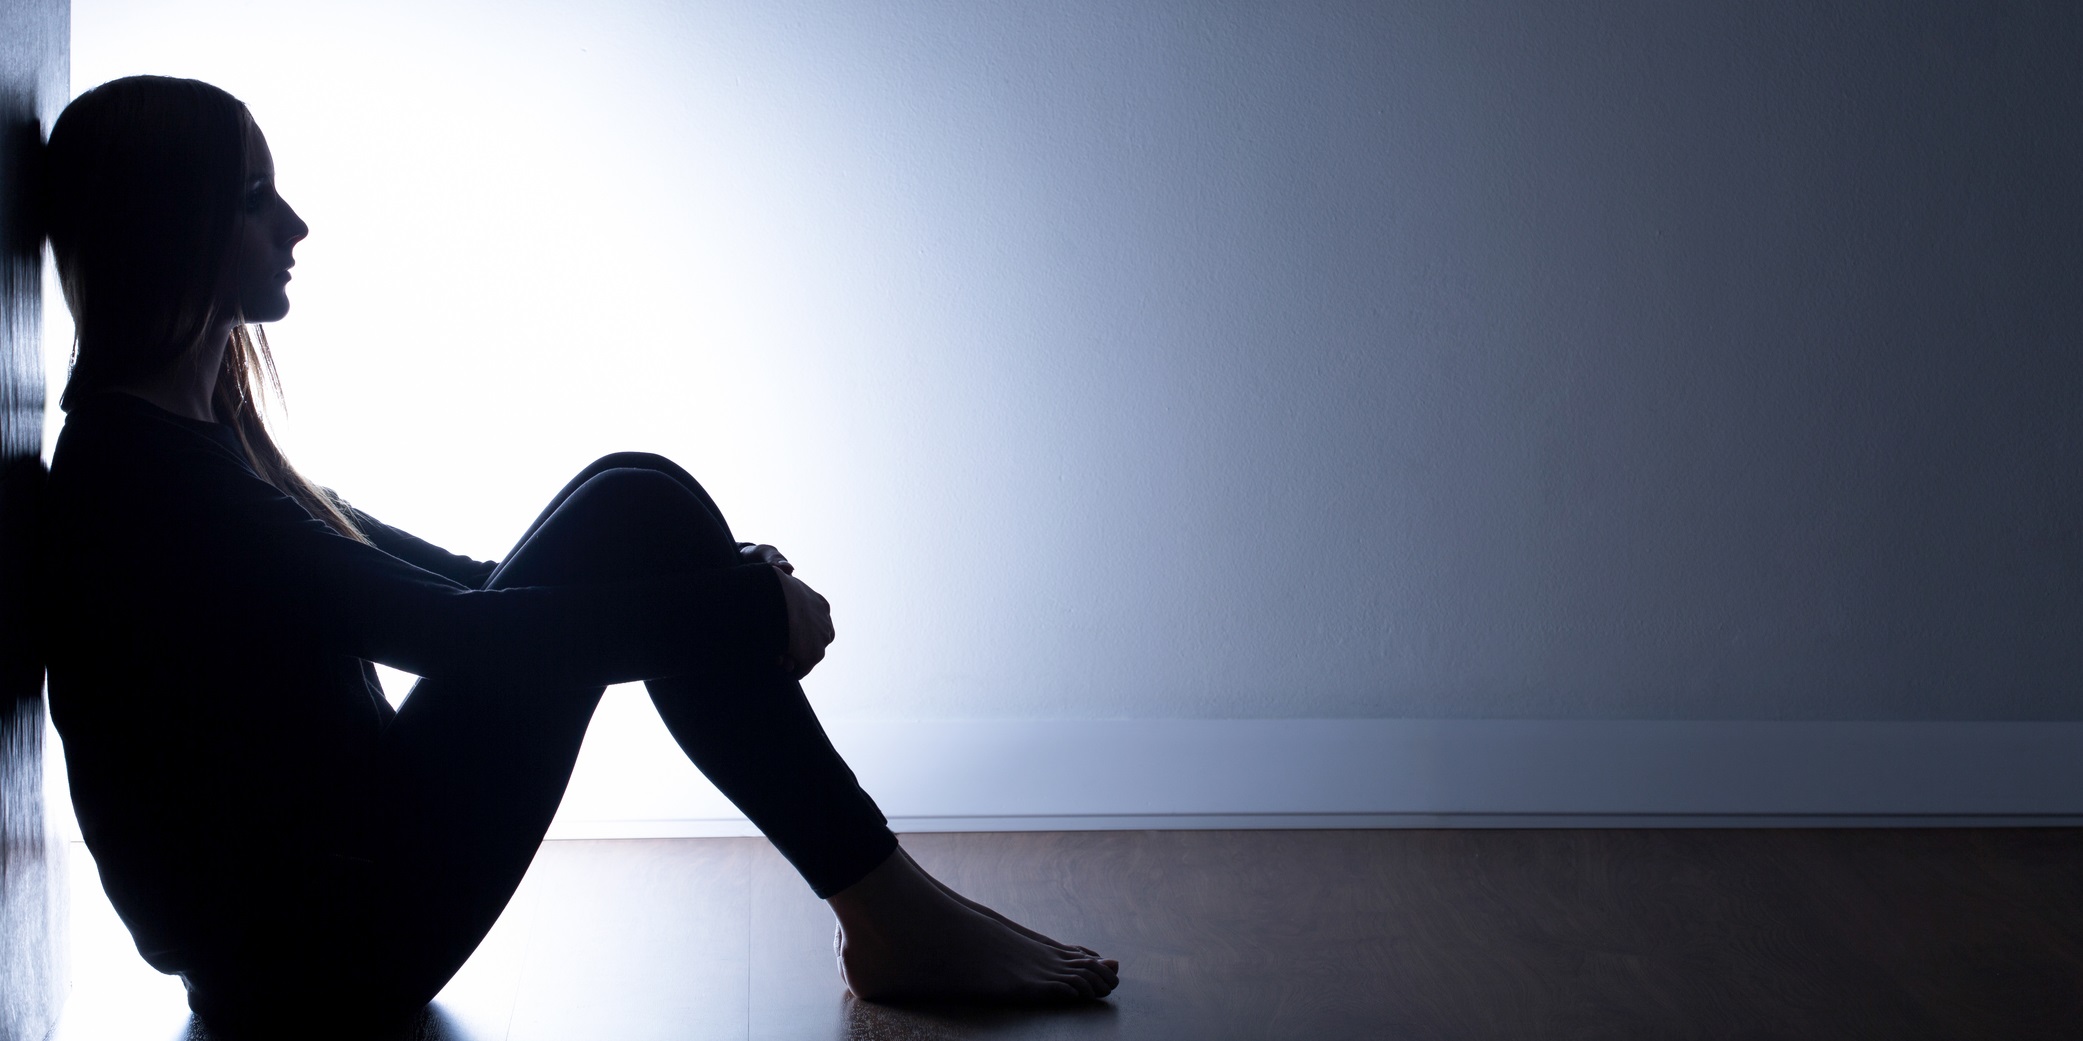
x=186, y=390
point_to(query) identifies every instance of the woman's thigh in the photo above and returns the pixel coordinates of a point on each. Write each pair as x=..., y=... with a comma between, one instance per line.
x=472, y=771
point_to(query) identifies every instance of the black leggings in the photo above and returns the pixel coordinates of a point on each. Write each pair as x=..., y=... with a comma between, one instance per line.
x=471, y=773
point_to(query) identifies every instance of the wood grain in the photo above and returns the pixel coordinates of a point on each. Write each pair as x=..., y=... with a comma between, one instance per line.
x=1522, y=934
x=1406, y=934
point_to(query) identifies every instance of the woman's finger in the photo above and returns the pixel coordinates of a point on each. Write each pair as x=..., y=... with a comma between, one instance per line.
x=765, y=554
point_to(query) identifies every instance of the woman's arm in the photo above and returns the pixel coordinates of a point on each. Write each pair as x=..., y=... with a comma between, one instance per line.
x=276, y=572
x=418, y=552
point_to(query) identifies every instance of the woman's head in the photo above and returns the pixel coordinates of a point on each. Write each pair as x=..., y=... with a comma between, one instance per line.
x=268, y=230
x=163, y=219
x=161, y=209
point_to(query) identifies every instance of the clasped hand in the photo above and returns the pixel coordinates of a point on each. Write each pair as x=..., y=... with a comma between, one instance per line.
x=809, y=615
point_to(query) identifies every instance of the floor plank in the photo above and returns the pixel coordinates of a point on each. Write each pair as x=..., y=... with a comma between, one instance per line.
x=1441, y=934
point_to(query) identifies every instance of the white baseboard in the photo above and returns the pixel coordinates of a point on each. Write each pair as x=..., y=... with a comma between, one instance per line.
x=1049, y=775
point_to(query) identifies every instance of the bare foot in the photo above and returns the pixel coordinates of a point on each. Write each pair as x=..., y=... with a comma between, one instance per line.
x=904, y=935
x=982, y=910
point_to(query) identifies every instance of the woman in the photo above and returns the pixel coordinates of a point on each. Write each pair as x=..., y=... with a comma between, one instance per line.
x=265, y=823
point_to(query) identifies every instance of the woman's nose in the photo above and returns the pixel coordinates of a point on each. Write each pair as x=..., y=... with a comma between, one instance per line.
x=297, y=228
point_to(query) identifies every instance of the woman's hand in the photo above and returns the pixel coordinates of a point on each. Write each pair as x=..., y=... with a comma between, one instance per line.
x=765, y=554
x=809, y=623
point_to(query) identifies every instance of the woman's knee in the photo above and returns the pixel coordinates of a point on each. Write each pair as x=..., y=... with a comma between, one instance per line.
x=656, y=464
x=614, y=521
x=644, y=461
x=632, y=461
x=628, y=493
x=649, y=511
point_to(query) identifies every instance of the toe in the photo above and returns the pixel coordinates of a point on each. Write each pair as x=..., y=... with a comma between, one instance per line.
x=1107, y=973
x=1084, y=986
x=1107, y=982
x=1055, y=990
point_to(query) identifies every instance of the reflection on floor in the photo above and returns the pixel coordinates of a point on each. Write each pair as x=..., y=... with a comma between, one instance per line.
x=29, y=907
x=1281, y=934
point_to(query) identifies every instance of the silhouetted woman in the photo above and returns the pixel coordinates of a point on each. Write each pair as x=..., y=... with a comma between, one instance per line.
x=265, y=823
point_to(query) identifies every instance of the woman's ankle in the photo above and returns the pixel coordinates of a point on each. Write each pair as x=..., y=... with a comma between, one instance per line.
x=895, y=882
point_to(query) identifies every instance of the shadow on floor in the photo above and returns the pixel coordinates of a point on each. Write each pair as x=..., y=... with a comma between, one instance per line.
x=932, y=1021
x=863, y=1021
x=433, y=1024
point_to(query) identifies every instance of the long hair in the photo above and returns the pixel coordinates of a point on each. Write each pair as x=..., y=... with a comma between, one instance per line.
x=144, y=183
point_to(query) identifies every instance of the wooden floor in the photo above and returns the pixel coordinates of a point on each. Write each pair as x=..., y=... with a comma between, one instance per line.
x=1521, y=934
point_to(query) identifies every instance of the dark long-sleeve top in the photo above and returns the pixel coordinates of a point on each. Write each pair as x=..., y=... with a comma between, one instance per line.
x=209, y=650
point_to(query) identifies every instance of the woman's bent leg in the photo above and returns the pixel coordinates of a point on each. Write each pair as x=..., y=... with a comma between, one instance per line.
x=756, y=738
x=472, y=772
x=629, y=461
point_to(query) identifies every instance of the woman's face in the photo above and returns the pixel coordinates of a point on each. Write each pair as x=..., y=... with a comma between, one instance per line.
x=271, y=230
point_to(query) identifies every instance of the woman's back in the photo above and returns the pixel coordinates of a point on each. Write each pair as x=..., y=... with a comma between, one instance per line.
x=205, y=738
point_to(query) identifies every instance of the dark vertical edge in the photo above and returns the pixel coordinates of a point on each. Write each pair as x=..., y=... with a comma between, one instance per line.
x=35, y=82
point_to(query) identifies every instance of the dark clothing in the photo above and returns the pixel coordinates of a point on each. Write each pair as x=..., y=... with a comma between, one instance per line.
x=263, y=820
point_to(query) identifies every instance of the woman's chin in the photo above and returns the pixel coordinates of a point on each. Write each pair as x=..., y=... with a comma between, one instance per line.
x=266, y=310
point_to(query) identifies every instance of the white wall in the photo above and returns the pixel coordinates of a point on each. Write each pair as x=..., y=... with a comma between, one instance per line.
x=1183, y=359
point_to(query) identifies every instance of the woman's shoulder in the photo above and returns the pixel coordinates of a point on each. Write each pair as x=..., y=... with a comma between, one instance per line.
x=120, y=458
x=123, y=431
